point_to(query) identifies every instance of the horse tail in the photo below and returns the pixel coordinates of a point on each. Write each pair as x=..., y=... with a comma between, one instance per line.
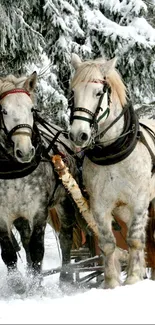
x=151, y=222
x=150, y=236
x=53, y=220
x=78, y=234
x=79, y=238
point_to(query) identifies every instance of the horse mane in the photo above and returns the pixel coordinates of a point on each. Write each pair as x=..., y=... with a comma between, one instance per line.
x=11, y=82
x=90, y=70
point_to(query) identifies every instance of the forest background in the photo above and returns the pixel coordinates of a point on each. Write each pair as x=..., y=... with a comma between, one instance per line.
x=40, y=35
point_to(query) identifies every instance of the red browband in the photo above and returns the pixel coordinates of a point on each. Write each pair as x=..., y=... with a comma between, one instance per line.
x=98, y=81
x=14, y=91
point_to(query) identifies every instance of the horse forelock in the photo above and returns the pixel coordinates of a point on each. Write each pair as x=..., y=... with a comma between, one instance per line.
x=89, y=71
x=86, y=72
x=11, y=82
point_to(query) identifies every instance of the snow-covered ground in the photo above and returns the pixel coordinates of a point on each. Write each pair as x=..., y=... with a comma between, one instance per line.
x=124, y=305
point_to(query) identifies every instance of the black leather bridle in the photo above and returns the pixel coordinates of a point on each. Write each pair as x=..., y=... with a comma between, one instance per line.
x=94, y=116
x=10, y=168
x=3, y=112
x=124, y=144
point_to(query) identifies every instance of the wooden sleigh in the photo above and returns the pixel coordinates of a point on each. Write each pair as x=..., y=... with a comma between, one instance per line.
x=86, y=255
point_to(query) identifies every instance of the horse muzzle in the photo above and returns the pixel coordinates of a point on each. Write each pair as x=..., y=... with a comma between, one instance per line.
x=24, y=151
x=24, y=156
x=80, y=139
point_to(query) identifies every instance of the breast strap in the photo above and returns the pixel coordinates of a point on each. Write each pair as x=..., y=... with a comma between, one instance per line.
x=143, y=140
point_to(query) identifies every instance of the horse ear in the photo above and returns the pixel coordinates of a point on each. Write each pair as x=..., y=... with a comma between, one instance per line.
x=107, y=66
x=30, y=82
x=75, y=60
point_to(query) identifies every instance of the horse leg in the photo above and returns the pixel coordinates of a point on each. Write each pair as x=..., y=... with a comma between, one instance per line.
x=152, y=274
x=36, y=244
x=66, y=214
x=136, y=242
x=66, y=239
x=107, y=244
x=8, y=252
x=33, y=243
x=9, y=257
x=23, y=227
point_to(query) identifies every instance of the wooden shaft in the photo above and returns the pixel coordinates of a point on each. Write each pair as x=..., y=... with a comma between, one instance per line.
x=71, y=185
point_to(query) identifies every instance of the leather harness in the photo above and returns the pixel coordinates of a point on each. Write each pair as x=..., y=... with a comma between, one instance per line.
x=126, y=142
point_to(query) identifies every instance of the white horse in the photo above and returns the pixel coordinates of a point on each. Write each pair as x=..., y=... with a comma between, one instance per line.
x=29, y=185
x=117, y=168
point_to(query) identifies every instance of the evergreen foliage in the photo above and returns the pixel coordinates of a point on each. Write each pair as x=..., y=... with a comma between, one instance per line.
x=41, y=34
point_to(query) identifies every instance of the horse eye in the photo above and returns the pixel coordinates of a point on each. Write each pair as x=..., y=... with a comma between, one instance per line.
x=35, y=110
x=99, y=93
x=3, y=110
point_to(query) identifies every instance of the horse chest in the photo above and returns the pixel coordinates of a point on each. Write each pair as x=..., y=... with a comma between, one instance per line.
x=116, y=181
x=18, y=199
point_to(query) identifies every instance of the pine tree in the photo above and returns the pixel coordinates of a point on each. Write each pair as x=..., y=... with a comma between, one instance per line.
x=41, y=35
x=133, y=41
x=20, y=39
x=102, y=27
x=62, y=30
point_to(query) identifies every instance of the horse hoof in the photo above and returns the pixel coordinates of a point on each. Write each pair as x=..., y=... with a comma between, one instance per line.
x=36, y=280
x=111, y=284
x=66, y=288
x=66, y=282
x=66, y=277
x=16, y=282
x=132, y=279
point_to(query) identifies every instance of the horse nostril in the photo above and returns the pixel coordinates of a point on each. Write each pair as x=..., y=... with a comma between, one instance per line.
x=71, y=136
x=83, y=136
x=33, y=151
x=19, y=153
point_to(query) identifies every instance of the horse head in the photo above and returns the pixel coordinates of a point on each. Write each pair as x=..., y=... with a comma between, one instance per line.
x=93, y=84
x=16, y=115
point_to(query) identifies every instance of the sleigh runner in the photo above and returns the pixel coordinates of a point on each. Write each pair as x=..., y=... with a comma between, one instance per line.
x=86, y=254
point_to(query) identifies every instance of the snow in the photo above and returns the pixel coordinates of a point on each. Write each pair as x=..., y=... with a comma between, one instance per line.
x=123, y=305
x=138, y=31
x=125, y=6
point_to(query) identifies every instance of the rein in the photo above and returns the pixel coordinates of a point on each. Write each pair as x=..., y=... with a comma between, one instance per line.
x=10, y=168
x=54, y=137
x=125, y=143
x=143, y=140
x=123, y=112
x=123, y=146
